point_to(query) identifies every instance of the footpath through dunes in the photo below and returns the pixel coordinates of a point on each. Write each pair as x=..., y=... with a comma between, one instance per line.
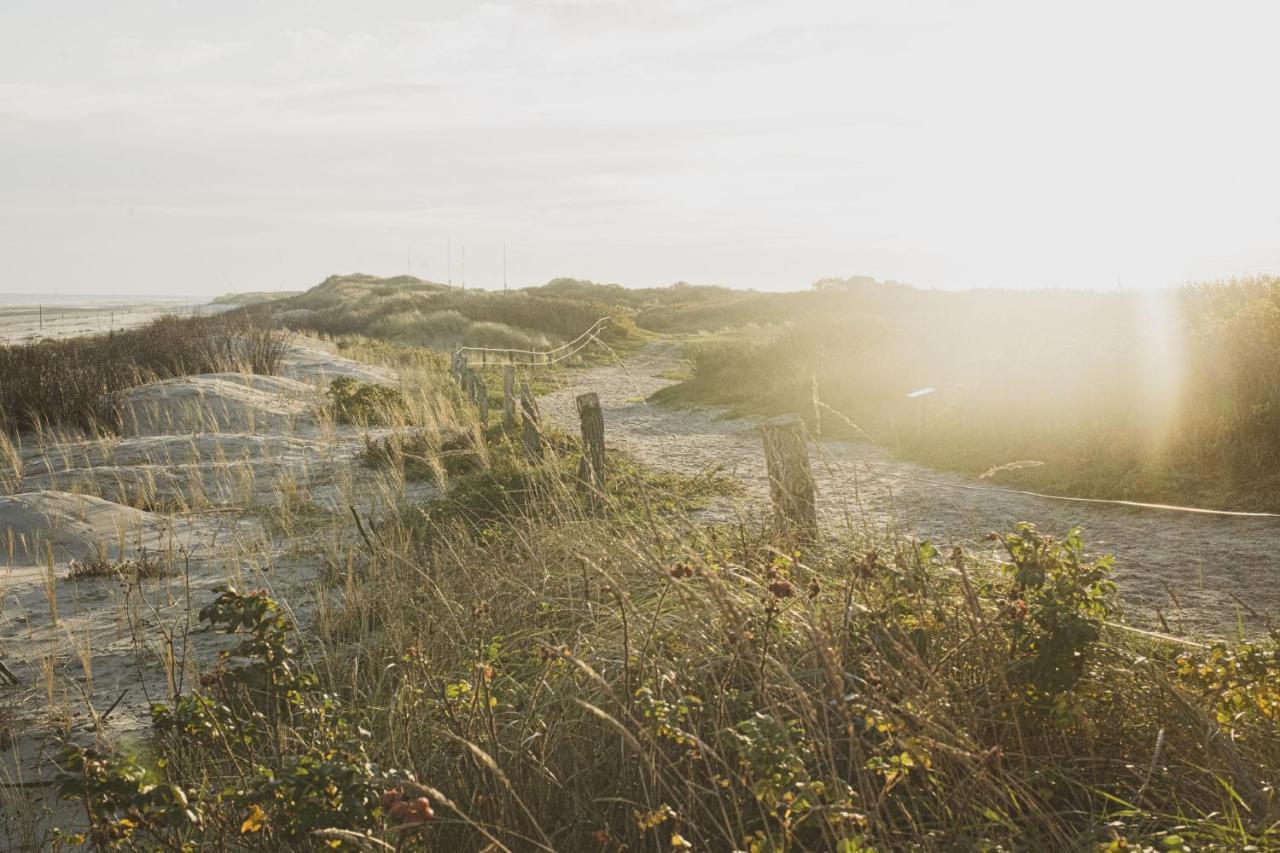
x=1207, y=574
x=111, y=544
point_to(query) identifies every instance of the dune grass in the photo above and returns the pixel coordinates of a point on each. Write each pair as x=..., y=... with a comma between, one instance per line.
x=73, y=382
x=414, y=312
x=510, y=667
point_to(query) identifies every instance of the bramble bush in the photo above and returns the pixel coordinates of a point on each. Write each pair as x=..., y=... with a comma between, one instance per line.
x=259, y=754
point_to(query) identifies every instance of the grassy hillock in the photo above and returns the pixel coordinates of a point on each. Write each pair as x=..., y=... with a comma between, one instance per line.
x=1116, y=395
x=253, y=297
x=411, y=311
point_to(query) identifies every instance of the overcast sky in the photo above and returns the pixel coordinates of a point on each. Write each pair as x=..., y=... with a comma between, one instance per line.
x=194, y=148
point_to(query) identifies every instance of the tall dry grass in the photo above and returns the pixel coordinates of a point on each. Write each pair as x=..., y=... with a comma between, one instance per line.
x=72, y=382
x=549, y=675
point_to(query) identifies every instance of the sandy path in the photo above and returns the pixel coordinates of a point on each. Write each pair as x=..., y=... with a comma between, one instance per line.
x=1201, y=559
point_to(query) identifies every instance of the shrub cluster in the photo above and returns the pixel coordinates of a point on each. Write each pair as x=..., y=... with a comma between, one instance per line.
x=73, y=382
x=547, y=678
x=364, y=403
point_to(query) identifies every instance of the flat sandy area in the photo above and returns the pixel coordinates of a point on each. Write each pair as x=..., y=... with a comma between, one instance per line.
x=30, y=322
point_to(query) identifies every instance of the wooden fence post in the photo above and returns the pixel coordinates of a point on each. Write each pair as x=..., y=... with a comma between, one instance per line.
x=591, y=469
x=532, y=438
x=479, y=395
x=509, y=398
x=791, y=487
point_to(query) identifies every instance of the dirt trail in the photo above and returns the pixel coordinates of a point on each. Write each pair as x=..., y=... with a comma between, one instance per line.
x=1202, y=560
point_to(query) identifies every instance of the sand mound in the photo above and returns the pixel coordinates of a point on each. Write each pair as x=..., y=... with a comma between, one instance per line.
x=218, y=402
x=313, y=361
x=73, y=526
x=177, y=471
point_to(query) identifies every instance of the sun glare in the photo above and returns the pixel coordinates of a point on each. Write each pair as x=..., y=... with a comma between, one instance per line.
x=1160, y=348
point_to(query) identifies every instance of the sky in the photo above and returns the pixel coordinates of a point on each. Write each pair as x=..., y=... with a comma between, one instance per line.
x=189, y=149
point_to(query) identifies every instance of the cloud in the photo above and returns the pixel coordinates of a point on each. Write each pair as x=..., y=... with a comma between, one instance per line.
x=580, y=4
x=170, y=58
x=189, y=56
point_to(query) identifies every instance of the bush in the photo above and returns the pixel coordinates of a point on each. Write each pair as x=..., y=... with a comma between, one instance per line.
x=296, y=755
x=724, y=695
x=1058, y=603
x=364, y=403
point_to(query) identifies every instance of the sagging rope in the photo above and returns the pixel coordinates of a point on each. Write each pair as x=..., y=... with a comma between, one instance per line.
x=541, y=358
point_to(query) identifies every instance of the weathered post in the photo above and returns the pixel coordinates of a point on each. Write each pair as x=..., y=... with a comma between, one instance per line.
x=591, y=468
x=791, y=487
x=532, y=437
x=509, y=398
x=479, y=395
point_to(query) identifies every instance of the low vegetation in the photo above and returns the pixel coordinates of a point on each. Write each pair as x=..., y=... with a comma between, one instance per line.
x=1114, y=395
x=364, y=403
x=74, y=382
x=406, y=310
x=567, y=680
x=515, y=666
x=131, y=569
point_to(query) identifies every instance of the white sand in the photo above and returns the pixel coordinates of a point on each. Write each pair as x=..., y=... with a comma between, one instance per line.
x=217, y=469
x=27, y=323
x=318, y=362
x=38, y=525
x=219, y=402
x=225, y=451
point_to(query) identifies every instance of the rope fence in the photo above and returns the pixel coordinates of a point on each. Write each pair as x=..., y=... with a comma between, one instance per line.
x=535, y=358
